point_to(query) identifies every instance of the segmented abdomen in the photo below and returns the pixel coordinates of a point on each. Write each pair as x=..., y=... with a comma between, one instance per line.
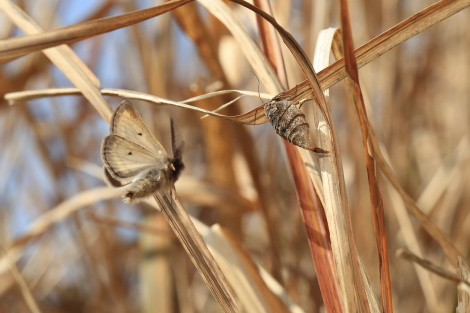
x=289, y=122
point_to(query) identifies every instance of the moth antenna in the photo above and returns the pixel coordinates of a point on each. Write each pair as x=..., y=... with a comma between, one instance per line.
x=177, y=143
x=259, y=95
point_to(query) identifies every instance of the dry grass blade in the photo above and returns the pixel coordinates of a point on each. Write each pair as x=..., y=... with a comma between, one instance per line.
x=242, y=273
x=29, y=26
x=388, y=40
x=251, y=50
x=57, y=214
x=16, y=47
x=194, y=62
x=374, y=190
x=25, y=291
x=64, y=58
x=412, y=243
x=298, y=53
x=253, y=117
x=317, y=232
x=332, y=178
x=253, y=294
x=321, y=60
x=228, y=91
x=407, y=255
x=45, y=221
x=463, y=289
x=426, y=18
x=446, y=175
x=442, y=239
x=463, y=304
x=209, y=194
x=270, y=41
x=257, y=290
x=192, y=242
x=25, y=95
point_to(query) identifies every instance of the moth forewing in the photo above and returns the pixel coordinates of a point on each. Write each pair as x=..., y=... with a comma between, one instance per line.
x=127, y=123
x=110, y=180
x=126, y=159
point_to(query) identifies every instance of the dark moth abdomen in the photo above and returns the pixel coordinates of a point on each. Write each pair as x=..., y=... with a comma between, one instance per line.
x=289, y=122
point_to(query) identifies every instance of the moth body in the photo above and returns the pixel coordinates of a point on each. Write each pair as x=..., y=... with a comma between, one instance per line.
x=289, y=122
x=149, y=182
x=135, y=160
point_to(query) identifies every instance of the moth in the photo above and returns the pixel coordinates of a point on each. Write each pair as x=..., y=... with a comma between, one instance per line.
x=135, y=160
x=290, y=123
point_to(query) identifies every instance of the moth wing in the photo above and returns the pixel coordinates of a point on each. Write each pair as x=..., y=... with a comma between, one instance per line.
x=124, y=159
x=111, y=181
x=127, y=123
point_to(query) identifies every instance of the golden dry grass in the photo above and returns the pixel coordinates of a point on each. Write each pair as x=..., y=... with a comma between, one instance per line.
x=288, y=230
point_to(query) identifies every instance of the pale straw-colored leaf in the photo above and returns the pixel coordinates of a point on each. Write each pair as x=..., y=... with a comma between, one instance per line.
x=336, y=209
x=57, y=214
x=463, y=288
x=389, y=39
x=197, y=250
x=22, y=284
x=436, y=269
x=256, y=289
x=64, y=58
x=18, y=46
x=251, y=50
x=412, y=243
x=333, y=182
x=253, y=117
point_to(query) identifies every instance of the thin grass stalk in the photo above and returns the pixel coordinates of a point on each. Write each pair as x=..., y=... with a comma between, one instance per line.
x=257, y=293
x=24, y=288
x=272, y=50
x=63, y=57
x=197, y=250
x=327, y=77
x=436, y=269
x=346, y=260
x=374, y=190
x=446, y=244
x=442, y=239
x=412, y=243
x=336, y=71
x=218, y=135
x=312, y=211
x=389, y=39
x=318, y=235
x=191, y=22
x=16, y=47
x=463, y=290
x=270, y=41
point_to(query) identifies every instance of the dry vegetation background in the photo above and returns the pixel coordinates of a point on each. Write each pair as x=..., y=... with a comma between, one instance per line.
x=70, y=245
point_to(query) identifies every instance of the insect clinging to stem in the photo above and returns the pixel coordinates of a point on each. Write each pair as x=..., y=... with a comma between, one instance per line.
x=135, y=160
x=290, y=123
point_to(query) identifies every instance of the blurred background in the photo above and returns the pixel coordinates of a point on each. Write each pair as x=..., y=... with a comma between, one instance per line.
x=105, y=256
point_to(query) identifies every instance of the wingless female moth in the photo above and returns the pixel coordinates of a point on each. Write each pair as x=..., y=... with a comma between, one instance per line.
x=290, y=123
